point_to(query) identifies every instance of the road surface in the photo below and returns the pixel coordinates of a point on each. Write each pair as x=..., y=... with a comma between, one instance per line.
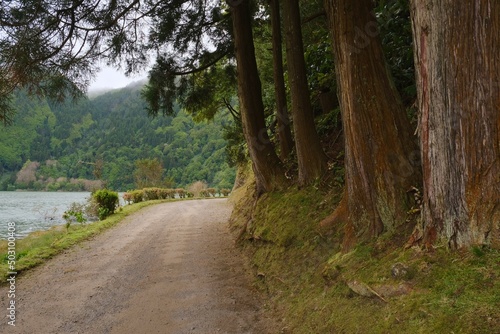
x=171, y=268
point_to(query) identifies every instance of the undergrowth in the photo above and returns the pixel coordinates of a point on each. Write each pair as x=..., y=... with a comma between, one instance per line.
x=313, y=284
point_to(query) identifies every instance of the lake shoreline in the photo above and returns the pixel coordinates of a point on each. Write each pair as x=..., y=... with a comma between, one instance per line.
x=34, y=211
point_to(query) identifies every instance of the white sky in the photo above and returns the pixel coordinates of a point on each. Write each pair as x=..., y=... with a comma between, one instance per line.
x=112, y=78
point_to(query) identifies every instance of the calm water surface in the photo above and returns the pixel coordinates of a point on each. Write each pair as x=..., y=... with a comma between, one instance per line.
x=34, y=211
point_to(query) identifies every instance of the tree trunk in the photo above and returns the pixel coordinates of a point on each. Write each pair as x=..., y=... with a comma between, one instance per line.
x=457, y=48
x=283, y=120
x=380, y=155
x=267, y=167
x=310, y=156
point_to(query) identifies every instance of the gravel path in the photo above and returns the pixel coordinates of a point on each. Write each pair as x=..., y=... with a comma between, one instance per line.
x=169, y=268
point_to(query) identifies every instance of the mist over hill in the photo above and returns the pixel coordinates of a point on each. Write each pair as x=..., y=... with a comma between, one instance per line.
x=60, y=144
x=95, y=92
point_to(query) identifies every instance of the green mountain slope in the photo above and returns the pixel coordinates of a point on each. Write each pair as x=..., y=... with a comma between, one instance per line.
x=112, y=130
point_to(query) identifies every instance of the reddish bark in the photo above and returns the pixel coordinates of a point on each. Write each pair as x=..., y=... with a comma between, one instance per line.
x=379, y=151
x=457, y=47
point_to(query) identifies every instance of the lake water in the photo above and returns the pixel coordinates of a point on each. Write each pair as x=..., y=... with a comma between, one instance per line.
x=34, y=211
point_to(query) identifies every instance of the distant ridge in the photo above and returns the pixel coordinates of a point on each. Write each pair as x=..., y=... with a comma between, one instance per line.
x=93, y=93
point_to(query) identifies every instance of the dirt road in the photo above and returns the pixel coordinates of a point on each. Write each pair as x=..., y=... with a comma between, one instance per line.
x=170, y=268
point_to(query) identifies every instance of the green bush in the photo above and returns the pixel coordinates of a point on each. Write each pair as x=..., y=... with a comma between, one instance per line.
x=107, y=201
x=148, y=194
x=225, y=192
x=137, y=196
x=165, y=193
x=181, y=192
x=75, y=213
x=104, y=213
x=127, y=197
x=151, y=193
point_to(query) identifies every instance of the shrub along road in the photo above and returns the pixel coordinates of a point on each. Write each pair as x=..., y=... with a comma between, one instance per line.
x=169, y=268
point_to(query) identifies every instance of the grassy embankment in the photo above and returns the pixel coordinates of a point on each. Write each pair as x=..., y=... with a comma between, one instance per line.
x=39, y=246
x=375, y=288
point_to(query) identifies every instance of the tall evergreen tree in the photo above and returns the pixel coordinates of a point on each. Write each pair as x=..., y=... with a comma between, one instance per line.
x=457, y=46
x=267, y=167
x=311, y=159
x=379, y=151
x=282, y=117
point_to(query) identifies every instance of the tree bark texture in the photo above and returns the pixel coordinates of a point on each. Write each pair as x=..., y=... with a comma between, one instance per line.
x=267, y=167
x=381, y=158
x=283, y=120
x=457, y=57
x=312, y=160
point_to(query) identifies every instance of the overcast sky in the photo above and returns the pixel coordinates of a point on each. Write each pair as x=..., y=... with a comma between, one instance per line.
x=111, y=78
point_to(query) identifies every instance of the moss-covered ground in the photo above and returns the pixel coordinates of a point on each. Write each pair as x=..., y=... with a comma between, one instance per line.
x=313, y=284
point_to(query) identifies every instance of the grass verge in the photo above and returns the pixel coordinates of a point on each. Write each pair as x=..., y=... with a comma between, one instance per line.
x=376, y=288
x=39, y=246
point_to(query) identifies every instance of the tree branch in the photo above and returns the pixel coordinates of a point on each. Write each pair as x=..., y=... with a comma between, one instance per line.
x=201, y=68
x=313, y=16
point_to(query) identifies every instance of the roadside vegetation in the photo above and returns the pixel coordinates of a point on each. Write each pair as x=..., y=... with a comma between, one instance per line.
x=197, y=189
x=377, y=287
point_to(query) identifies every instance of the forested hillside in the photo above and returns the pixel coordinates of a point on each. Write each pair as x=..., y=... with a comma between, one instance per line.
x=62, y=144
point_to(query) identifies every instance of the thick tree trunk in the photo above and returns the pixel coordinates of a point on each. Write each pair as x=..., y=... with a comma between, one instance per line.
x=379, y=152
x=457, y=57
x=283, y=120
x=312, y=160
x=267, y=167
